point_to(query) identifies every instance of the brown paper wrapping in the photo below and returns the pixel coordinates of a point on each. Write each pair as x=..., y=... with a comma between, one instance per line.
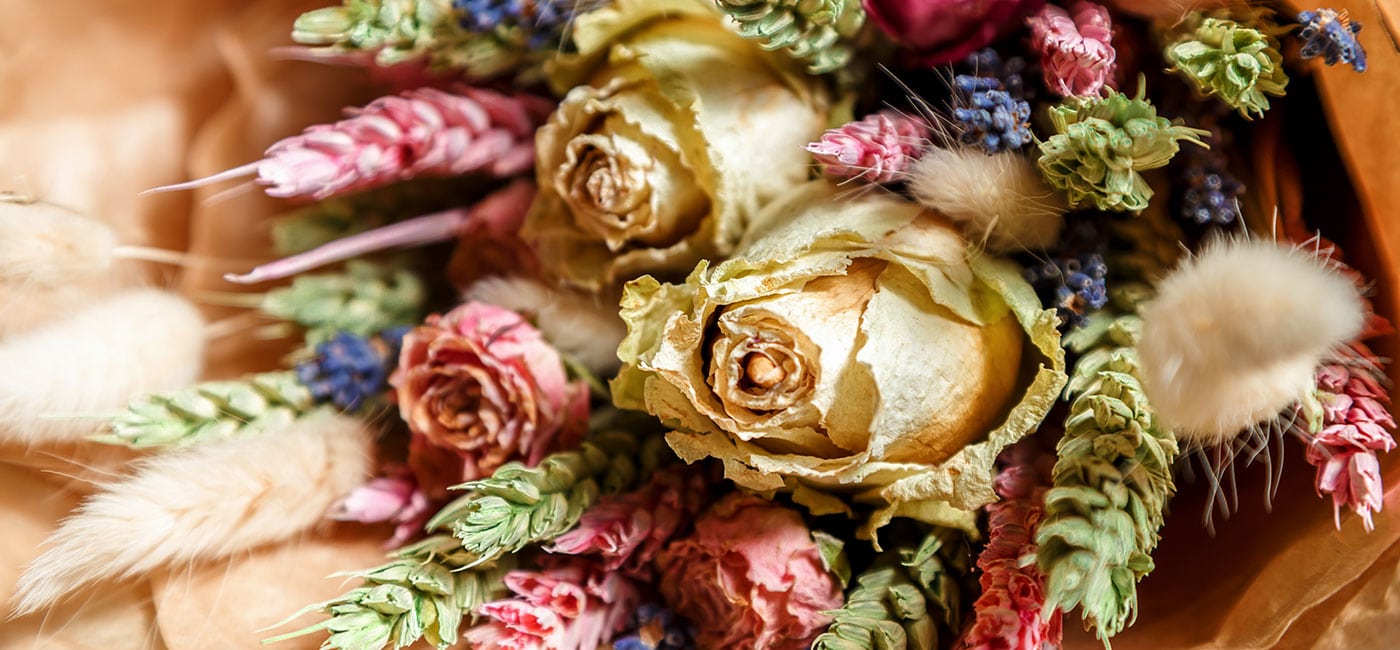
x=105, y=100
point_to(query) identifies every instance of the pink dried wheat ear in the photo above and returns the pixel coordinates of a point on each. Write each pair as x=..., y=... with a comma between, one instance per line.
x=421, y=132
x=1356, y=423
x=1010, y=613
x=878, y=149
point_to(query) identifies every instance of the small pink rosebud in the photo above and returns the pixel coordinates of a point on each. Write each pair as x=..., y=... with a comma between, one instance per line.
x=480, y=387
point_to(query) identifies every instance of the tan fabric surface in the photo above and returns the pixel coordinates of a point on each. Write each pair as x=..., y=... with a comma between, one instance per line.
x=104, y=102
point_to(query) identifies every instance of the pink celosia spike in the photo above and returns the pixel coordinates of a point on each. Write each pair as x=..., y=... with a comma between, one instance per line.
x=1009, y=613
x=1076, y=50
x=878, y=148
x=506, y=205
x=420, y=132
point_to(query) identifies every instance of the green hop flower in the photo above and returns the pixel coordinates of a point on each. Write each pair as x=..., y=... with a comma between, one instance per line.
x=1238, y=64
x=1100, y=145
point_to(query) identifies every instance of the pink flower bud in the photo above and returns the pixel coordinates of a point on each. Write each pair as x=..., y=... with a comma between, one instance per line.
x=878, y=148
x=1076, y=53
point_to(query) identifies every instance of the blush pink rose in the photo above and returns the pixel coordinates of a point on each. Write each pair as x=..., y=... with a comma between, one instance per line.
x=945, y=31
x=480, y=387
x=749, y=577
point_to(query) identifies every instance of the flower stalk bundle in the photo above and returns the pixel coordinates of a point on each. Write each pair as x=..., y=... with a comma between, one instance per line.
x=715, y=340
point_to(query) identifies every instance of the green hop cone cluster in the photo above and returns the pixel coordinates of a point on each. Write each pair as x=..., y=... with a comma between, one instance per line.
x=408, y=30
x=816, y=32
x=1238, y=64
x=363, y=300
x=396, y=30
x=211, y=410
x=1111, y=484
x=423, y=594
x=1102, y=143
x=903, y=599
x=519, y=506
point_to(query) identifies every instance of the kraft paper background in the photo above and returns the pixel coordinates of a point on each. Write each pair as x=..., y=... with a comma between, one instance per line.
x=102, y=99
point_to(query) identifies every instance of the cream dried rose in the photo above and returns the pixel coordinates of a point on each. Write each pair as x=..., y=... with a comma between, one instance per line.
x=676, y=131
x=853, y=346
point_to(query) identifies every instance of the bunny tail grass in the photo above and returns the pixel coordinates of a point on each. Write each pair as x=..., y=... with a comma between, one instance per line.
x=56, y=378
x=1001, y=200
x=580, y=326
x=44, y=246
x=206, y=503
x=1237, y=332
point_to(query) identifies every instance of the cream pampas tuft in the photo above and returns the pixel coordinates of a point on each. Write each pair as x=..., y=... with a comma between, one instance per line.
x=56, y=379
x=1001, y=200
x=574, y=322
x=1236, y=334
x=203, y=503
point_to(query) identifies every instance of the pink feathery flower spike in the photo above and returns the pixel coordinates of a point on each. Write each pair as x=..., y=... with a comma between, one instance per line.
x=572, y=605
x=878, y=148
x=504, y=206
x=1009, y=613
x=1356, y=423
x=1076, y=50
x=421, y=132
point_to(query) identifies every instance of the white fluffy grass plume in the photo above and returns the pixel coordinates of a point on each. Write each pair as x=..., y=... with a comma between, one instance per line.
x=56, y=378
x=577, y=324
x=44, y=246
x=1235, y=335
x=202, y=503
x=1000, y=200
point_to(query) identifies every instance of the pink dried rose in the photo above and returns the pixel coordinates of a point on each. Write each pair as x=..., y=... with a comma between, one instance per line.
x=750, y=576
x=878, y=148
x=1356, y=423
x=628, y=530
x=480, y=387
x=568, y=606
x=944, y=31
x=1076, y=50
x=1010, y=612
x=394, y=498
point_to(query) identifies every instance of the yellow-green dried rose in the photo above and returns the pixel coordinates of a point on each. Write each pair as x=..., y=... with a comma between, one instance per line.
x=853, y=350
x=674, y=133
